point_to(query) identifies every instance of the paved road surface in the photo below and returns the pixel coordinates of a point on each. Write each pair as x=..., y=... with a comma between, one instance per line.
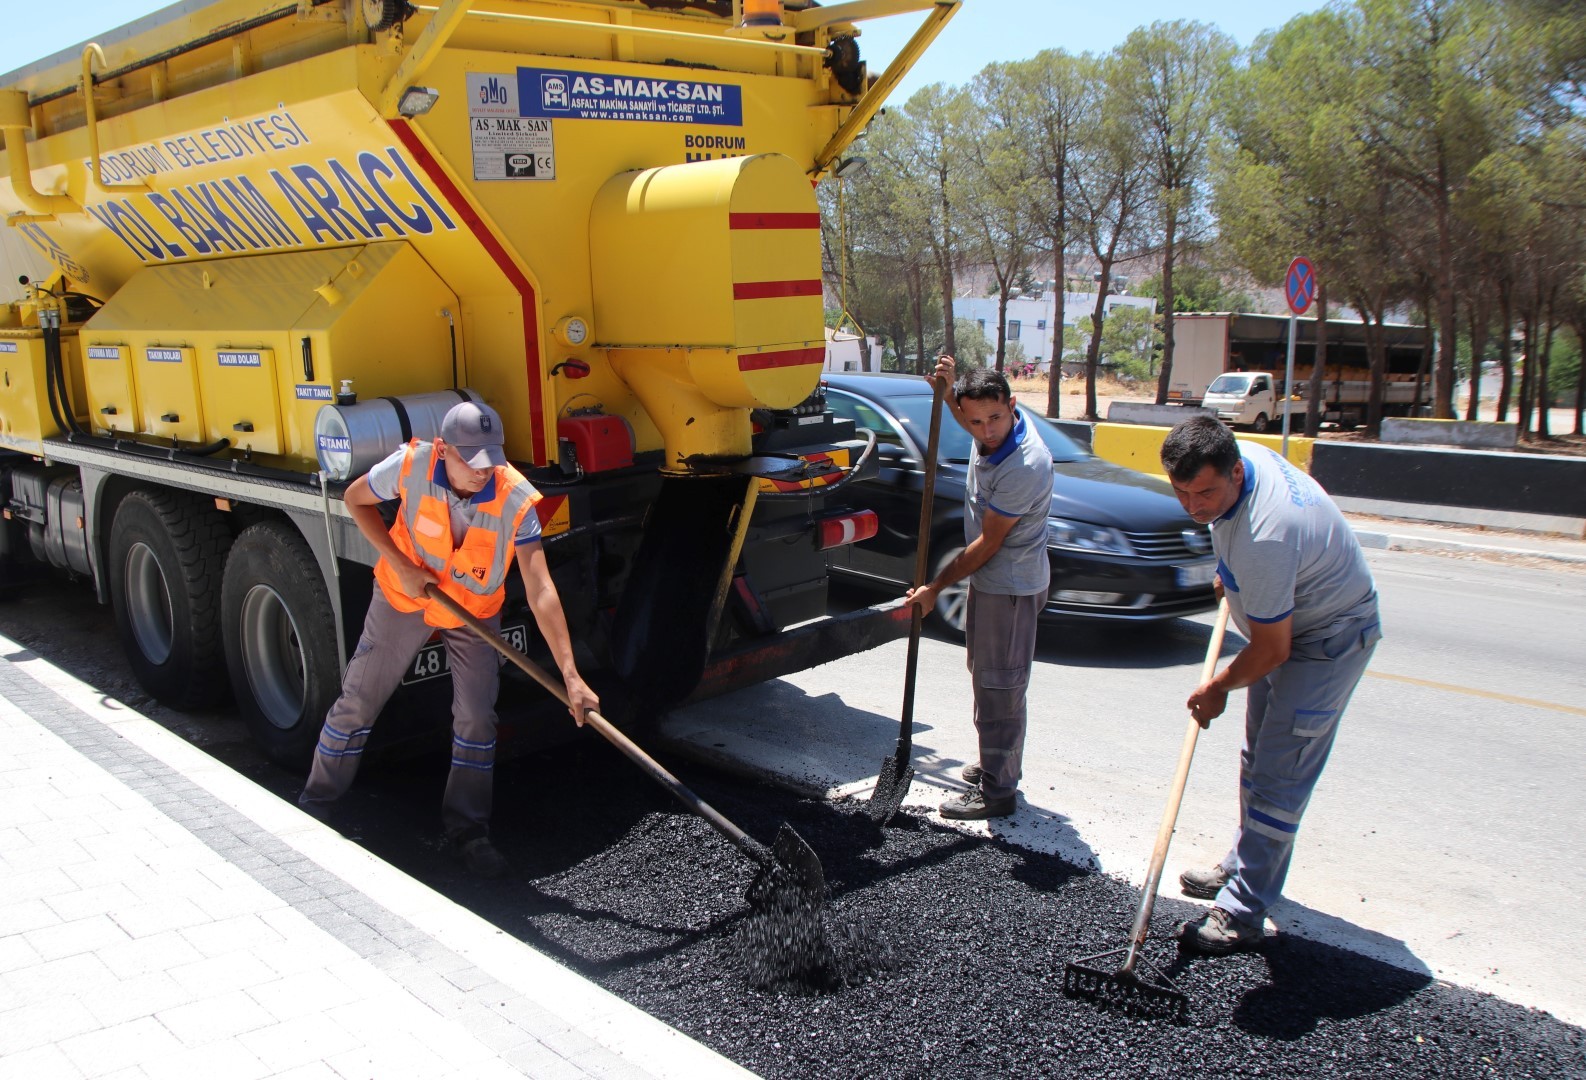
x=1444, y=835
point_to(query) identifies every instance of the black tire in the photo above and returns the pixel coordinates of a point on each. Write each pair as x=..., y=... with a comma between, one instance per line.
x=1261, y=425
x=280, y=641
x=952, y=604
x=167, y=558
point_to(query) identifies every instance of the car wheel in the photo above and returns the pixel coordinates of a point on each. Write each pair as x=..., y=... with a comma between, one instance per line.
x=1261, y=424
x=167, y=557
x=952, y=603
x=280, y=641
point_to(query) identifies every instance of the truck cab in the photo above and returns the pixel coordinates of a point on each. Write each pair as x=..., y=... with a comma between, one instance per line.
x=1243, y=399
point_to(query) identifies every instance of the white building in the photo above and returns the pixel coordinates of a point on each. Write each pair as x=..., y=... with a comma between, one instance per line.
x=845, y=351
x=1030, y=319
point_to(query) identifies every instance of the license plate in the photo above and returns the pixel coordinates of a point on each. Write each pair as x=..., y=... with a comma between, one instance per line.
x=432, y=661
x=1195, y=574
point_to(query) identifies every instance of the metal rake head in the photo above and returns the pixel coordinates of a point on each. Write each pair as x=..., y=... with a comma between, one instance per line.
x=1147, y=993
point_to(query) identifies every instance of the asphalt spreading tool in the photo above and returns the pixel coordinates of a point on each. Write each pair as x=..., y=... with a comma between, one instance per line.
x=1138, y=986
x=789, y=869
x=897, y=769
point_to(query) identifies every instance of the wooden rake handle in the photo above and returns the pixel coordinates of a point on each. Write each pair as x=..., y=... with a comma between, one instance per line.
x=1164, y=833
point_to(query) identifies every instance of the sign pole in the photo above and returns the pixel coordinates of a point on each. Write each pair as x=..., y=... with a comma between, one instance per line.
x=1288, y=381
x=1299, y=285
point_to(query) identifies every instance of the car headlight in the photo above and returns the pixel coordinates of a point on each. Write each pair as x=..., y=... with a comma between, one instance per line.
x=1077, y=536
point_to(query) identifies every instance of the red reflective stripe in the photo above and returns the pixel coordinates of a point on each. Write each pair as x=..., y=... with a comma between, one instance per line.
x=774, y=221
x=547, y=506
x=785, y=358
x=487, y=239
x=766, y=290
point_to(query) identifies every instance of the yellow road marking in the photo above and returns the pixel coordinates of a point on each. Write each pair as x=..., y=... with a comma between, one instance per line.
x=1510, y=698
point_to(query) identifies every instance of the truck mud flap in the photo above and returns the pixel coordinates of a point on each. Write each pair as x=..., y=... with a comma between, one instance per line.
x=806, y=646
x=668, y=610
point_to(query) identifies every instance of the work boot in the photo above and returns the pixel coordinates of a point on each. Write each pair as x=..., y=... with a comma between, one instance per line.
x=1218, y=933
x=1203, y=884
x=972, y=774
x=973, y=805
x=478, y=855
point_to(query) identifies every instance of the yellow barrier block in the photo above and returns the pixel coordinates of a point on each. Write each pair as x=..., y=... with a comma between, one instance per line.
x=1139, y=446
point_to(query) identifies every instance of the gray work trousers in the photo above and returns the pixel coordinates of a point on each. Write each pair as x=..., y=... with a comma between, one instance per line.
x=1291, y=720
x=390, y=641
x=999, y=634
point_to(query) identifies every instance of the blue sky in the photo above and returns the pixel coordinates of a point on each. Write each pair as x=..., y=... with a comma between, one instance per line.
x=982, y=31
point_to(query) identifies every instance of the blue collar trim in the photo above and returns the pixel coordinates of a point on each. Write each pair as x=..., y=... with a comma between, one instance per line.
x=438, y=478
x=1244, y=490
x=1010, y=443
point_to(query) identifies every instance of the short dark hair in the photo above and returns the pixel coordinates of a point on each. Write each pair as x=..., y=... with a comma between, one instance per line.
x=1196, y=443
x=982, y=384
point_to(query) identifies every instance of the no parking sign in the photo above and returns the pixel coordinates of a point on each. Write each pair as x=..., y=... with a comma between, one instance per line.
x=1299, y=285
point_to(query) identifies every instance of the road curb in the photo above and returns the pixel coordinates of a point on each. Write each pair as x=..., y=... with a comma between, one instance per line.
x=1401, y=542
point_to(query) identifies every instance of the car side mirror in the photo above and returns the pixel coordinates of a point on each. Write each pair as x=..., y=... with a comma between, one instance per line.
x=893, y=456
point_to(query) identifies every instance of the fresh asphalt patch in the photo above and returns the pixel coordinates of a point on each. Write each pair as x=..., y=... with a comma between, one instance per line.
x=944, y=951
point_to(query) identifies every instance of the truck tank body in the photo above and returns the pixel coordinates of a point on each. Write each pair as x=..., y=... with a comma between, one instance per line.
x=595, y=215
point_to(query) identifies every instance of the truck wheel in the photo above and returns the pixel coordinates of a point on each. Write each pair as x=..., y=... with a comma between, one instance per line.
x=1261, y=425
x=167, y=558
x=280, y=641
x=952, y=603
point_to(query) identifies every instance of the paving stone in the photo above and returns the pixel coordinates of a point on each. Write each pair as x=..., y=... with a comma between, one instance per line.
x=41, y=1023
x=39, y=1063
x=120, y=1000
x=218, y=1061
x=120, y=1047
x=77, y=936
x=161, y=952
x=215, y=1018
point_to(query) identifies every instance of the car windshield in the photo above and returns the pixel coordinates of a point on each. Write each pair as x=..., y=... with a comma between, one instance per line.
x=915, y=413
x=1229, y=384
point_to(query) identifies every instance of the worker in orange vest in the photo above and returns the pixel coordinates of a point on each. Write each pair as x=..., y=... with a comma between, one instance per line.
x=465, y=515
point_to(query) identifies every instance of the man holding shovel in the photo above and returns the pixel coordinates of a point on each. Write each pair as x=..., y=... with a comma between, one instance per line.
x=1299, y=589
x=1007, y=498
x=465, y=516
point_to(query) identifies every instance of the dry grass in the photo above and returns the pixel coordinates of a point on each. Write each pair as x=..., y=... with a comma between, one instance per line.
x=1105, y=388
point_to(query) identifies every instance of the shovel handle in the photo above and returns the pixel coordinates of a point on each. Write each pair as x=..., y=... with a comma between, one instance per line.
x=921, y=561
x=1164, y=835
x=740, y=839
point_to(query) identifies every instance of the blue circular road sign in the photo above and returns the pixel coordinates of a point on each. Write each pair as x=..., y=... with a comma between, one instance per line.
x=1299, y=285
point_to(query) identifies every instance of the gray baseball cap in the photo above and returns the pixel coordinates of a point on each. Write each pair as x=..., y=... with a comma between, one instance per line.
x=475, y=431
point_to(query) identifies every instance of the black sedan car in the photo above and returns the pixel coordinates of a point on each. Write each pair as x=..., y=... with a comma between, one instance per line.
x=1121, y=546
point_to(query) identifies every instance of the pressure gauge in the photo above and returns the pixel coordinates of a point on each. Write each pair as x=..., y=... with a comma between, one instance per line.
x=571, y=331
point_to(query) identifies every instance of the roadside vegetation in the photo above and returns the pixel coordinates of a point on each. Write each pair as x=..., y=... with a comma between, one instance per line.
x=1428, y=156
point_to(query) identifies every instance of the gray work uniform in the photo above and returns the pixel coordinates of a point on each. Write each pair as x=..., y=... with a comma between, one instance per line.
x=1005, y=596
x=390, y=641
x=1285, y=551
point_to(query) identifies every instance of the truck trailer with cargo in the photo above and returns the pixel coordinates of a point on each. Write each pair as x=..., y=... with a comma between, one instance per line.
x=1236, y=364
x=266, y=243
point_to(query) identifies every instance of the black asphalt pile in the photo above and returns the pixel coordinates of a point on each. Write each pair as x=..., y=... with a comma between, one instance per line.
x=788, y=943
x=961, y=944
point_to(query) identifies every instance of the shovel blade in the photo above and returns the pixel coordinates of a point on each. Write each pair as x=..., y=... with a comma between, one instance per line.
x=892, y=784
x=801, y=863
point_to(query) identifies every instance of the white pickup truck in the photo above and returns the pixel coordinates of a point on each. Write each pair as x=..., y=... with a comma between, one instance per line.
x=1243, y=399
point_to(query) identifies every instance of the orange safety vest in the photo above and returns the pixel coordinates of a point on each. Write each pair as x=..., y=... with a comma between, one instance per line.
x=474, y=573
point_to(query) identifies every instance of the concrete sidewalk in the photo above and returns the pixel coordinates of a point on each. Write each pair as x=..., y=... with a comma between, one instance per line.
x=161, y=916
x=1397, y=534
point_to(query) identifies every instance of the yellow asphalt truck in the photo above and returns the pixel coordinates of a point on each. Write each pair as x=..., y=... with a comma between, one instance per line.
x=258, y=244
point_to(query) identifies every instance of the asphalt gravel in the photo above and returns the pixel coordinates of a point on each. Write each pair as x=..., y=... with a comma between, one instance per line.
x=945, y=950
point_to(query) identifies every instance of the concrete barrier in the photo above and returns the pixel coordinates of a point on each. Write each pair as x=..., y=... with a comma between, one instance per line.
x=1538, y=492
x=1136, y=446
x=1467, y=434
x=1144, y=412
